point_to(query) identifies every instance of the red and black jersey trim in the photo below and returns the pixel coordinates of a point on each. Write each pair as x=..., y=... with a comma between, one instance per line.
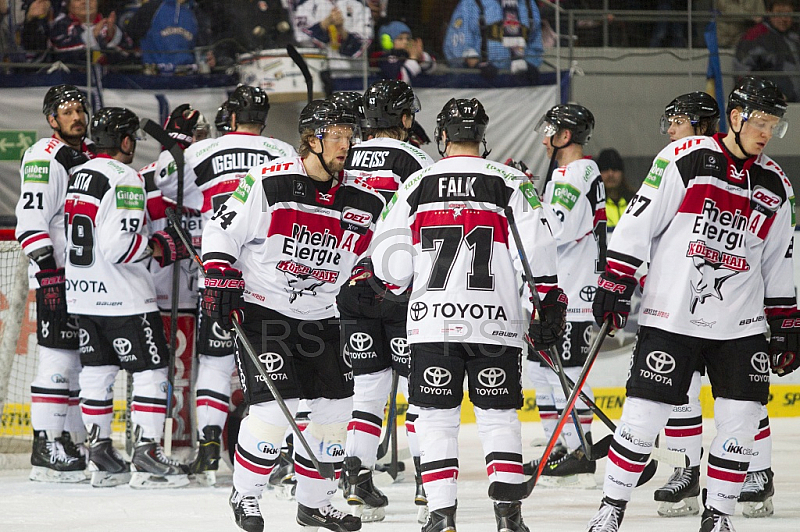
x=622, y=264
x=236, y=161
x=69, y=158
x=88, y=183
x=499, y=462
x=439, y=470
x=779, y=306
x=215, y=256
x=486, y=189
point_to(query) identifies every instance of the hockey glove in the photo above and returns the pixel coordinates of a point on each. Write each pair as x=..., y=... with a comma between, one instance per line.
x=54, y=289
x=784, y=344
x=547, y=330
x=612, y=301
x=519, y=165
x=182, y=124
x=222, y=296
x=172, y=247
x=362, y=294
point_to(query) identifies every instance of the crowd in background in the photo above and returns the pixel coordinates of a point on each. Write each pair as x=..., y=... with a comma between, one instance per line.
x=400, y=37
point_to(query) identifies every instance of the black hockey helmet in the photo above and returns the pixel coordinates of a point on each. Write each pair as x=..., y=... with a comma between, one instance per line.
x=184, y=122
x=110, y=125
x=572, y=117
x=60, y=94
x=386, y=101
x=698, y=106
x=250, y=104
x=319, y=114
x=757, y=94
x=223, y=119
x=351, y=99
x=462, y=120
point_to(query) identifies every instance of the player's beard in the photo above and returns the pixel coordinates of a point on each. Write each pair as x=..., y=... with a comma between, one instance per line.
x=73, y=134
x=335, y=166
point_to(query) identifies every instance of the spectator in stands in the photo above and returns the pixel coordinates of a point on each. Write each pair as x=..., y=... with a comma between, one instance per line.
x=670, y=33
x=70, y=35
x=729, y=31
x=167, y=32
x=402, y=57
x=773, y=45
x=618, y=192
x=242, y=26
x=341, y=26
x=492, y=35
x=35, y=34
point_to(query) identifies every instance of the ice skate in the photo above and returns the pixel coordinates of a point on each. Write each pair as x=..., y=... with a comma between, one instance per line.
x=756, y=495
x=51, y=463
x=107, y=466
x=72, y=448
x=573, y=470
x=678, y=496
x=205, y=465
x=442, y=520
x=328, y=518
x=714, y=521
x=608, y=517
x=509, y=517
x=282, y=477
x=152, y=469
x=246, y=512
x=420, y=499
x=558, y=452
x=362, y=493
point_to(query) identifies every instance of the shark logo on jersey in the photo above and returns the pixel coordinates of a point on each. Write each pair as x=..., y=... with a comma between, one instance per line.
x=457, y=209
x=715, y=268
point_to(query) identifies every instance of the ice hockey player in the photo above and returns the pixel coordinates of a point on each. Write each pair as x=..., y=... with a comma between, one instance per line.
x=294, y=229
x=111, y=291
x=446, y=230
x=697, y=113
x=716, y=212
x=213, y=170
x=44, y=173
x=373, y=327
x=574, y=201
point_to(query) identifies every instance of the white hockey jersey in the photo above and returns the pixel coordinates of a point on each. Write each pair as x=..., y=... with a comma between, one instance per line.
x=446, y=231
x=384, y=163
x=719, y=233
x=575, y=204
x=107, y=239
x=214, y=167
x=157, y=221
x=294, y=240
x=44, y=175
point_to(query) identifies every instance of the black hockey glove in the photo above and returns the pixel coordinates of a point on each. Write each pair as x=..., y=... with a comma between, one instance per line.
x=784, y=344
x=54, y=289
x=222, y=296
x=519, y=165
x=547, y=330
x=613, y=299
x=362, y=294
x=182, y=124
x=171, y=245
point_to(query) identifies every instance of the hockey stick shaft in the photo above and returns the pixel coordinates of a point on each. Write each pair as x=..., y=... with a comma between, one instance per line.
x=300, y=61
x=158, y=133
x=326, y=470
x=668, y=456
x=383, y=447
x=504, y=491
x=537, y=303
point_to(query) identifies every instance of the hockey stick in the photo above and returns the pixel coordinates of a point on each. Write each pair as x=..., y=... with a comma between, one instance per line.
x=326, y=470
x=158, y=133
x=505, y=491
x=537, y=303
x=669, y=457
x=383, y=447
x=300, y=61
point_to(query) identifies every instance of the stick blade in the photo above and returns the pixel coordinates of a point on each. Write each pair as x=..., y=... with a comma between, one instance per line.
x=600, y=448
x=648, y=472
x=505, y=491
x=326, y=470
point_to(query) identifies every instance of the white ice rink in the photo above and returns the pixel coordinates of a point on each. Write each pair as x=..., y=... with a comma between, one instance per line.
x=31, y=506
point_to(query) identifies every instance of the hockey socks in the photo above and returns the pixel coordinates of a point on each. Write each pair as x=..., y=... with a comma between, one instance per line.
x=633, y=441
